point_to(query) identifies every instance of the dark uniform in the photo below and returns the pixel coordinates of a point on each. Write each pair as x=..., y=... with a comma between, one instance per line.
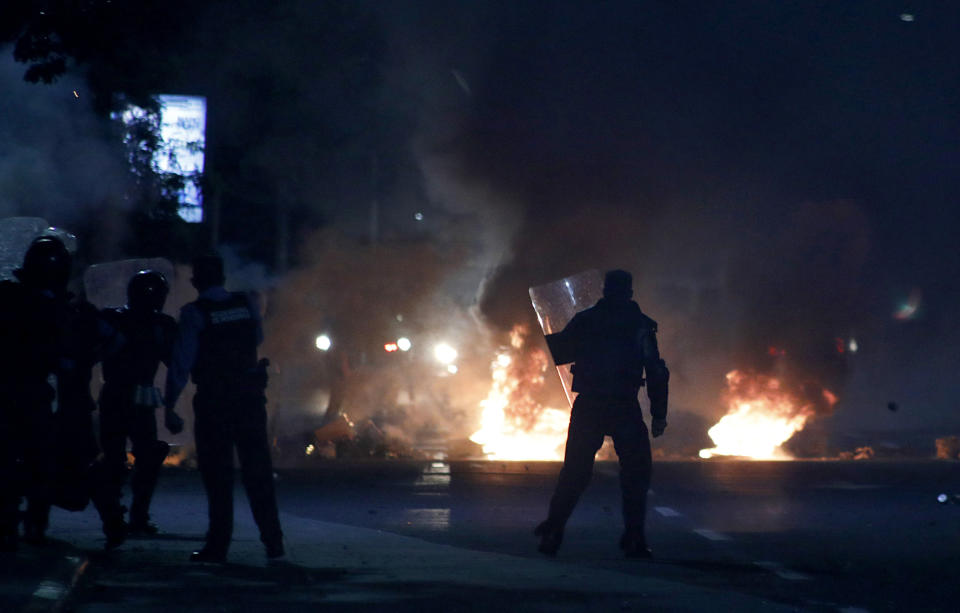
x=142, y=337
x=80, y=474
x=611, y=344
x=32, y=323
x=217, y=344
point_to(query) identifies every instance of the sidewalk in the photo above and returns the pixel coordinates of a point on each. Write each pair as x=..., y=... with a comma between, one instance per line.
x=335, y=566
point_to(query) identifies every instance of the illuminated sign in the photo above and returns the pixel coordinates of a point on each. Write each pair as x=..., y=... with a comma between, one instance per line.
x=183, y=125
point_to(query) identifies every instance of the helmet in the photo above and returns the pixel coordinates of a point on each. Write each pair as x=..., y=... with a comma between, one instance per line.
x=46, y=265
x=618, y=284
x=207, y=271
x=147, y=291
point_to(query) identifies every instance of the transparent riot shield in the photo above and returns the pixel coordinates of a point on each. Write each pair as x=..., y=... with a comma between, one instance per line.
x=106, y=284
x=556, y=303
x=16, y=234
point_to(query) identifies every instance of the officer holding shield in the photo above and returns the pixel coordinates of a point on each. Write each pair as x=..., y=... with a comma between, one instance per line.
x=32, y=326
x=612, y=345
x=141, y=336
x=216, y=345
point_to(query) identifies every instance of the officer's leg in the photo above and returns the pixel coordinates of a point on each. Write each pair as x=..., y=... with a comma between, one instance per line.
x=10, y=487
x=107, y=473
x=257, y=472
x=584, y=438
x=632, y=444
x=112, y=470
x=215, y=437
x=149, y=454
x=39, y=459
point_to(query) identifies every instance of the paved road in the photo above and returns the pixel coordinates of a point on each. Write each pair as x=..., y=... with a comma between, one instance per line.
x=813, y=536
x=830, y=535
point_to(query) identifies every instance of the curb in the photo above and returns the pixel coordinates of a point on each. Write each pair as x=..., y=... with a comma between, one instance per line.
x=56, y=589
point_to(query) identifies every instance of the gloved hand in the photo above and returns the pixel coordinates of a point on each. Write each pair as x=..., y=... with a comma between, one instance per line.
x=658, y=426
x=172, y=421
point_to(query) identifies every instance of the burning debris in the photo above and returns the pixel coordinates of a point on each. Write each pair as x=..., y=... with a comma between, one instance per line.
x=763, y=414
x=515, y=425
x=948, y=448
x=860, y=453
x=342, y=438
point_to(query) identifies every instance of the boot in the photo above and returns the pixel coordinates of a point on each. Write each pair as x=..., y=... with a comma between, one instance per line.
x=550, y=538
x=634, y=544
x=116, y=531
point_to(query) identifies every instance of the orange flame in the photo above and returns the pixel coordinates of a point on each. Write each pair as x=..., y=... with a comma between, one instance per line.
x=761, y=416
x=513, y=424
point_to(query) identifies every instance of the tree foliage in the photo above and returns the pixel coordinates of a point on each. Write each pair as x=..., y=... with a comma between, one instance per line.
x=293, y=89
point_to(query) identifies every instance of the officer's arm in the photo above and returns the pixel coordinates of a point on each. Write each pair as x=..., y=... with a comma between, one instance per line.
x=658, y=377
x=168, y=335
x=563, y=344
x=184, y=354
x=110, y=332
x=253, y=301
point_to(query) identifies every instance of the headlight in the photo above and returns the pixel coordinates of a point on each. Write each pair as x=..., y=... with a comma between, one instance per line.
x=444, y=353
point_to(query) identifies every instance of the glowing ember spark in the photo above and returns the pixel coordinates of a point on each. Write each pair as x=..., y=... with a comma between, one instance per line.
x=514, y=426
x=761, y=416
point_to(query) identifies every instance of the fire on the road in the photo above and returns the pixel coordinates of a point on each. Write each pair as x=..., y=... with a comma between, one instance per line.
x=514, y=425
x=762, y=411
x=762, y=414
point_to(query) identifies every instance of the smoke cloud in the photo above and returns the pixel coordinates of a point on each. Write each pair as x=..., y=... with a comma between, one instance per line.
x=59, y=160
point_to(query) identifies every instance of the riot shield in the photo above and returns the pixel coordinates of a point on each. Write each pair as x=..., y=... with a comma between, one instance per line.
x=106, y=284
x=16, y=234
x=556, y=303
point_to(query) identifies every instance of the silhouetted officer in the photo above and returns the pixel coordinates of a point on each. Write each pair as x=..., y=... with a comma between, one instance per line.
x=217, y=345
x=32, y=320
x=141, y=337
x=611, y=345
x=80, y=475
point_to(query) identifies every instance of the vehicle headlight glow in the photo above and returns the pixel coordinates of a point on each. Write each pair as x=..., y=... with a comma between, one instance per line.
x=444, y=353
x=404, y=343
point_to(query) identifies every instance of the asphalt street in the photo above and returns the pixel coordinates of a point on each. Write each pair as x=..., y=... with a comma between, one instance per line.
x=840, y=535
x=812, y=536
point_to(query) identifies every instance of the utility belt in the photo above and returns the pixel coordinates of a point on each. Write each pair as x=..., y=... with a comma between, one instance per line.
x=223, y=383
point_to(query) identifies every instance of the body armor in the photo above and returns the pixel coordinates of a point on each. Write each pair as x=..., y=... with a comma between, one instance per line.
x=227, y=345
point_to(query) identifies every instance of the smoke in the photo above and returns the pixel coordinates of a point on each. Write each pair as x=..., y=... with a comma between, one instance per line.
x=568, y=149
x=59, y=160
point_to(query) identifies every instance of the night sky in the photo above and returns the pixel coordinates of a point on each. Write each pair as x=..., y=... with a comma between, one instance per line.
x=774, y=173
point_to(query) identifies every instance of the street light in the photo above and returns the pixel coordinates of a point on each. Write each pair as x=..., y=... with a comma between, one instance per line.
x=323, y=342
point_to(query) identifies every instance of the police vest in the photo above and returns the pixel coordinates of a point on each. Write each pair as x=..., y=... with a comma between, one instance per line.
x=227, y=345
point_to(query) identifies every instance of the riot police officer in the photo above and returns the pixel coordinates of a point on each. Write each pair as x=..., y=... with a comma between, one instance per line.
x=612, y=345
x=80, y=474
x=216, y=345
x=32, y=316
x=141, y=337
